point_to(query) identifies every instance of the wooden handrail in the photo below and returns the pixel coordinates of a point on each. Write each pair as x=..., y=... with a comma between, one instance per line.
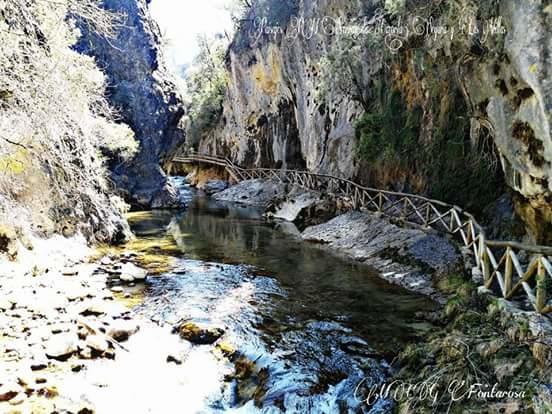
x=420, y=210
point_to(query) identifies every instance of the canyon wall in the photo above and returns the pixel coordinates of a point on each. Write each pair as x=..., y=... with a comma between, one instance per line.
x=142, y=89
x=459, y=115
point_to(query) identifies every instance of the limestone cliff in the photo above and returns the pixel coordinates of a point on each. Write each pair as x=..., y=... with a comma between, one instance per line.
x=143, y=91
x=272, y=114
x=471, y=110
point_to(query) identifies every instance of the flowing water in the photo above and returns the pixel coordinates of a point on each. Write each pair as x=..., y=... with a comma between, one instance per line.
x=304, y=328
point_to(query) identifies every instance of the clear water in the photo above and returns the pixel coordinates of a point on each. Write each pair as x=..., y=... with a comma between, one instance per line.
x=312, y=325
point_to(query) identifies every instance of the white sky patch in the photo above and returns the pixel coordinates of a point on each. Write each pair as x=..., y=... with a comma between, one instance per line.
x=181, y=21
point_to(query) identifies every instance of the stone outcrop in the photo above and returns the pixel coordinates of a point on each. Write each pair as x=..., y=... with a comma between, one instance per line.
x=406, y=257
x=252, y=192
x=515, y=95
x=144, y=93
x=277, y=111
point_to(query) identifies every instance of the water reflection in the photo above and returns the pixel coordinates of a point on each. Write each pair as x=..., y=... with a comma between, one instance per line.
x=319, y=285
x=314, y=324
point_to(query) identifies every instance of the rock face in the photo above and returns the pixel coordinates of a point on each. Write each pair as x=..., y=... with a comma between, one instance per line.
x=142, y=90
x=277, y=111
x=252, y=192
x=520, y=113
x=407, y=257
x=270, y=110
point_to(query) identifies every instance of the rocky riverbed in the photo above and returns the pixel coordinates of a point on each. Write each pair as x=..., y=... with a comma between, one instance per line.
x=57, y=321
x=481, y=339
x=211, y=310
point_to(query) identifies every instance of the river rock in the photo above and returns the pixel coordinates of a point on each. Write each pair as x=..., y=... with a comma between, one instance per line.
x=62, y=346
x=174, y=359
x=70, y=271
x=121, y=330
x=130, y=273
x=303, y=208
x=97, y=343
x=38, y=362
x=253, y=192
x=199, y=335
x=214, y=186
x=8, y=391
x=290, y=207
x=8, y=241
x=6, y=304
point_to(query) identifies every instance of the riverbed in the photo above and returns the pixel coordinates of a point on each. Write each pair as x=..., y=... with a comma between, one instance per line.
x=302, y=328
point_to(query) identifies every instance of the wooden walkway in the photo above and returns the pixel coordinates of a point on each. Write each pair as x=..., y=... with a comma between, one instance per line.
x=516, y=268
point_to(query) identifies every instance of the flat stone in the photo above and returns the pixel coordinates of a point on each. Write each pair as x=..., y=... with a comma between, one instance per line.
x=85, y=352
x=20, y=398
x=130, y=273
x=9, y=391
x=121, y=330
x=97, y=343
x=39, y=362
x=174, y=359
x=199, y=335
x=106, y=261
x=62, y=346
x=70, y=271
x=5, y=304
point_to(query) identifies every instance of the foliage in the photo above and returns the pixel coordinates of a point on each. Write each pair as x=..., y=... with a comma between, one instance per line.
x=416, y=132
x=391, y=139
x=206, y=87
x=388, y=132
x=53, y=111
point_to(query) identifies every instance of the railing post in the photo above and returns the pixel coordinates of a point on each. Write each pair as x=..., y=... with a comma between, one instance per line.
x=484, y=259
x=508, y=273
x=541, y=287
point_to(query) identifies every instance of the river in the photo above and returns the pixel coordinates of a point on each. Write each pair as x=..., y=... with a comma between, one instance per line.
x=303, y=327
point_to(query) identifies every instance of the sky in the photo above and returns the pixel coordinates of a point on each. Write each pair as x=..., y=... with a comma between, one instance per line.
x=181, y=21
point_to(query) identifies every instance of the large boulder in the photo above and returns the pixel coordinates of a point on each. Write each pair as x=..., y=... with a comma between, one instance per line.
x=253, y=192
x=408, y=257
x=199, y=335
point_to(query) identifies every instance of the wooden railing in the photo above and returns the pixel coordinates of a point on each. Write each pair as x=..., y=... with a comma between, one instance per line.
x=514, y=267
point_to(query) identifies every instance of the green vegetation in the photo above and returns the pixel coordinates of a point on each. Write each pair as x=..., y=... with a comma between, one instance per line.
x=206, y=88
x=481, y=342
x=390, y=133
x=415, y=134
x=440, y=162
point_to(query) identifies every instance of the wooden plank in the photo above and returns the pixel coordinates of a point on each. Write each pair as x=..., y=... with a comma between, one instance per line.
x=546, y=265
x=508, y=273
x=526, y=276
x=486, y=268
x=540, y=302
x=530, y=294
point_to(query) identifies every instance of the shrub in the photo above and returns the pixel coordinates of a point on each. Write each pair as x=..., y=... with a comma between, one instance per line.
x=54, y=118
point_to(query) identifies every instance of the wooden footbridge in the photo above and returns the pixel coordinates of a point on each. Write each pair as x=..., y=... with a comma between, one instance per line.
x=509, y=267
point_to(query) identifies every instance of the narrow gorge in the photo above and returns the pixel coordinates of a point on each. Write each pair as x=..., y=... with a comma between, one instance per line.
x=275, y=206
